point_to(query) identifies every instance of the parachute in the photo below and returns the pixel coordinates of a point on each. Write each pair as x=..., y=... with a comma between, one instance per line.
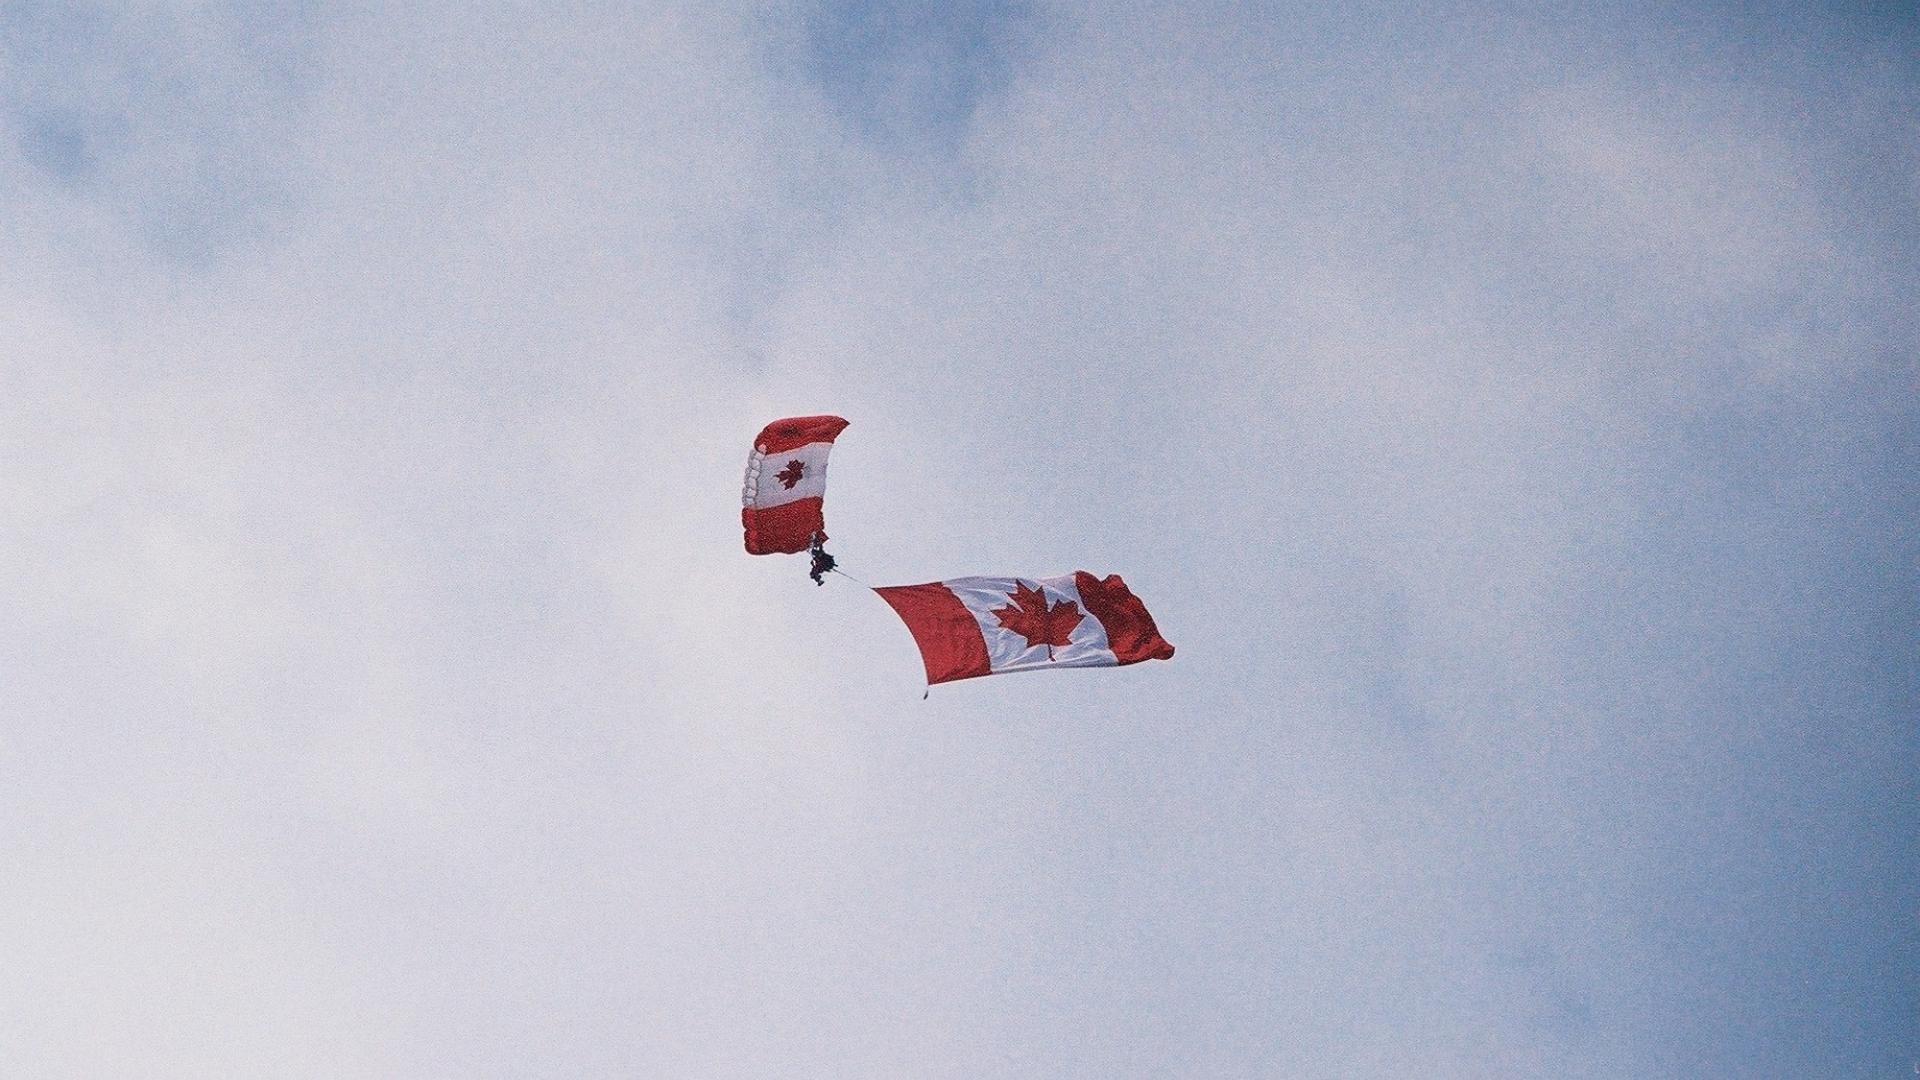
x=786, y=486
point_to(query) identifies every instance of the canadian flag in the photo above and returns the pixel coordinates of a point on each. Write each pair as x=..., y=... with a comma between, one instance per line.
x=786, y=484
x=974, y=626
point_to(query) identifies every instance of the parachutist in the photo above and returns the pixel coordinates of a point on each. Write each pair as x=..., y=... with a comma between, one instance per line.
x=822, y=562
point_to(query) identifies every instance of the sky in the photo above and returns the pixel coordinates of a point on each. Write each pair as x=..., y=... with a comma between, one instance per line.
x=1511, y=413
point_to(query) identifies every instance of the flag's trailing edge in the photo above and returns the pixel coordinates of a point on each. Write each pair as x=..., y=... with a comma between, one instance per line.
x=968, y=627
x=786, y=484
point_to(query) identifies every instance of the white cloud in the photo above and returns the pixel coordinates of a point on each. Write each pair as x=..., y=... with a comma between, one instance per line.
x=1512, y=452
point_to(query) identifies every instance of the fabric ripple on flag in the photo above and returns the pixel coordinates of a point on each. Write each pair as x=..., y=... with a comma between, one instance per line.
x=973, y=626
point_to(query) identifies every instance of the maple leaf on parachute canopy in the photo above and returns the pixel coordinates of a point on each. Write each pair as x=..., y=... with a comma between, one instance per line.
x=1033, y=618
x=792, y=473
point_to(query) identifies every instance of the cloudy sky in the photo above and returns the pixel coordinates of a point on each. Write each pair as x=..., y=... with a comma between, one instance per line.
x=1512, y=416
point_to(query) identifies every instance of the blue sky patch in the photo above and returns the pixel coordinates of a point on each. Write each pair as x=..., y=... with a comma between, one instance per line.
x=913, y=73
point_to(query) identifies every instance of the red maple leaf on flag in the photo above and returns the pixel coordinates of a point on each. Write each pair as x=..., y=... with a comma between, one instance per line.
x=792, y=473
x=1033, y=618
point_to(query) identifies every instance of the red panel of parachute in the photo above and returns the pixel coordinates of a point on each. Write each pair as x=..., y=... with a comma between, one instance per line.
x=783, y=530
x=796, y=431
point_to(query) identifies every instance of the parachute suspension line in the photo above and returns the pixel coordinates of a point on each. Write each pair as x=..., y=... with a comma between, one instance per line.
x=851, y=578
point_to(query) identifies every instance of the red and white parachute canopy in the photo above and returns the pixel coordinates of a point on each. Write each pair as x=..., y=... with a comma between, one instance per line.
x=786, y=484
